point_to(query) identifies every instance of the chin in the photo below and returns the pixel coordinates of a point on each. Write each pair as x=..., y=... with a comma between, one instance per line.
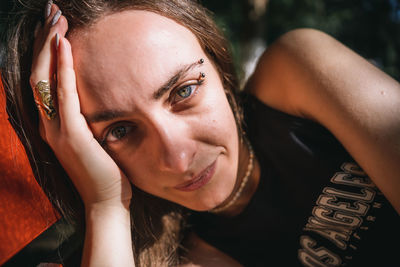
x=210, y=198
x=200, y=207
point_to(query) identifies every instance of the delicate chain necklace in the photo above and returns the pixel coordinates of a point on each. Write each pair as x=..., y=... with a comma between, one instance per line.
x=246, y=177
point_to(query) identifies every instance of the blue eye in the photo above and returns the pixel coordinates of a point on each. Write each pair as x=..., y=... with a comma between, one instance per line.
x=185, y=92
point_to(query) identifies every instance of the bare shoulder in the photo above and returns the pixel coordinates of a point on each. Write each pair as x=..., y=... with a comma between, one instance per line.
x=200, y=253
x=305, y=62
x=309, y=74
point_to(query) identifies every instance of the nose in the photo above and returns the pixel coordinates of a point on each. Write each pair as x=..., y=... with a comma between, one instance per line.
x=172, y=143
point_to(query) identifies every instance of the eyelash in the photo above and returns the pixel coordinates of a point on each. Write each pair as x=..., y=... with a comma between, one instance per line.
x=128, y=130
x=194, y=92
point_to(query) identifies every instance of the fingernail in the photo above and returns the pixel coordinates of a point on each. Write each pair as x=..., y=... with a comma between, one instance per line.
x=56, y=18
x=57, y=40
x=48, y=8
x=37, y=28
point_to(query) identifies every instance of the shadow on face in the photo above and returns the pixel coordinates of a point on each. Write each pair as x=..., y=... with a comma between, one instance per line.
x=158, y=109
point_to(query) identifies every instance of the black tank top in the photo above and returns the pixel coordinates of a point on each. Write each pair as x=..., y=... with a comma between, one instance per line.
x=314, y=206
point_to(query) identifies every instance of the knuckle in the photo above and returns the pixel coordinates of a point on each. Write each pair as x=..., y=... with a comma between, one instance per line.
x=61, y=93
x=35, y=78
x=62, y=96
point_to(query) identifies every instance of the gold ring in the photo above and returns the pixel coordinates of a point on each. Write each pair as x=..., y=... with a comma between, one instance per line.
x=44, y=99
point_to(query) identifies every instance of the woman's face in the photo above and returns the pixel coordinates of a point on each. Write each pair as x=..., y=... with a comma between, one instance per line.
x=170, y=130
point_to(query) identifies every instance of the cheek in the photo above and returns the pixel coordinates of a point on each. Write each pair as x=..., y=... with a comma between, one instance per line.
x=221, y=124
x=211, y=125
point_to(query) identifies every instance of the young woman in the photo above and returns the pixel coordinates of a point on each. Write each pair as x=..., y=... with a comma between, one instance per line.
x=143, y=93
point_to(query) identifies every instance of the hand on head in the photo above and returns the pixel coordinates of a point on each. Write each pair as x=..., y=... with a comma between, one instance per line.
x=95, y=175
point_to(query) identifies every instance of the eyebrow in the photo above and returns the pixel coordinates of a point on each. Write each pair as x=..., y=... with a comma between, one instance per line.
x=108, y=115
x=174, y=79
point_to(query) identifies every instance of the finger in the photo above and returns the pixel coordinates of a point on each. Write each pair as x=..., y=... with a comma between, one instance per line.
x=43, y=66
x=47, y=10
x=68, y=99
x=48, y=119
x=44, y=62
x=43, y=33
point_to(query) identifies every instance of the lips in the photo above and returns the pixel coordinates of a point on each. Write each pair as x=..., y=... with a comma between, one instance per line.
x=199, y=180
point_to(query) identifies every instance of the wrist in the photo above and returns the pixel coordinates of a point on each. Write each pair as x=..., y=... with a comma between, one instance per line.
x=108, y=235
x=107, y=208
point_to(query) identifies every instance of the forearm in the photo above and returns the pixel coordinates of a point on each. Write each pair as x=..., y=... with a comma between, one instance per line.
x=307, y=73
x=108, y=237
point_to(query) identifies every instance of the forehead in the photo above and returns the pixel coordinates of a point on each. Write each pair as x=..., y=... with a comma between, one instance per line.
x=130, y=50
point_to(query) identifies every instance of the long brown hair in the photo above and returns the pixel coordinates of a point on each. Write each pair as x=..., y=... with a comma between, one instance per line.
x=157, y=225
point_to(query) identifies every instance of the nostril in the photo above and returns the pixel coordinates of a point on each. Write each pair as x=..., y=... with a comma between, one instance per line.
x=175, y=160
x=176, y=157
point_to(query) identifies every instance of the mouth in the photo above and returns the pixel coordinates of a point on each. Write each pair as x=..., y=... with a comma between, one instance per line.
x=199, y=180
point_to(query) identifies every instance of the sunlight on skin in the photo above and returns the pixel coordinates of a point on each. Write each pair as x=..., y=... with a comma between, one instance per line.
x=164, y=144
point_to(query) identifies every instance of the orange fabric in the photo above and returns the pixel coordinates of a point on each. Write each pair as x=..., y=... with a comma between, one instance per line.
x=25, y=211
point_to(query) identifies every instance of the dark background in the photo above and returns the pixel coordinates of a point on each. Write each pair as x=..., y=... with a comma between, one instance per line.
x=370, y=27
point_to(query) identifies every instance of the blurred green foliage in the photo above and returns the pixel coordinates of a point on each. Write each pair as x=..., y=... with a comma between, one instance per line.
x=370, y=27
